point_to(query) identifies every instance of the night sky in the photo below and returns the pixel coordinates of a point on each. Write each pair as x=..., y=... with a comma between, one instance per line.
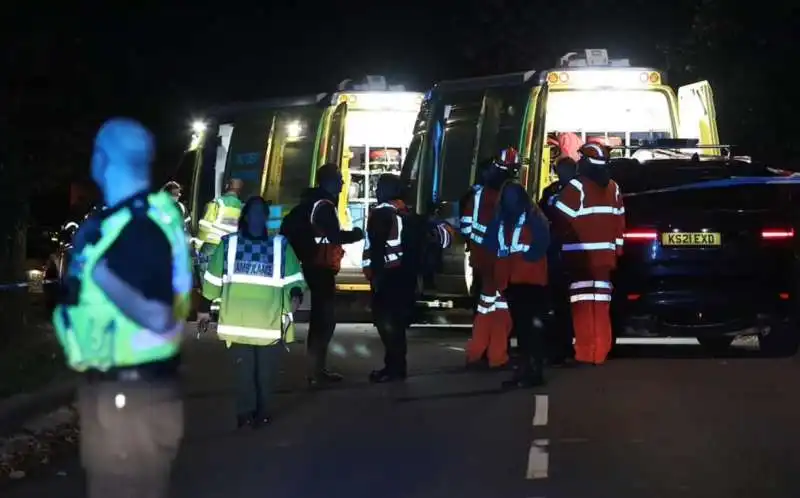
x=66, y=69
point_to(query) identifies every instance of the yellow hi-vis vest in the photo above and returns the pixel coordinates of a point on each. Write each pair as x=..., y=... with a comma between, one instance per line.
x=221, y=218
x=94, y=333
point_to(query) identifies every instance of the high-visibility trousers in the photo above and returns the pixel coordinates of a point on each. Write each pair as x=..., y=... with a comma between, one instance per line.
x=590, y=301
x=490, y=329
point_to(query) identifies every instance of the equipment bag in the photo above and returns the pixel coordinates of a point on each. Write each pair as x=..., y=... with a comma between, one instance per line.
x=296, y=227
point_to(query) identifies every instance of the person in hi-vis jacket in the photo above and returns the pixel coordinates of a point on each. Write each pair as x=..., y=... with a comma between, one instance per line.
x=259, y=282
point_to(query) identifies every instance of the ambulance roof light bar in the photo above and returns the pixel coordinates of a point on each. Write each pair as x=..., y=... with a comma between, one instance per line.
x=591, y=57
x=676, y=145
x=369, y=83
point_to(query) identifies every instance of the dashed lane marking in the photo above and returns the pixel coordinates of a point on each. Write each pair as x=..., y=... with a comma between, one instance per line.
x=540, y=410
x=538, y=460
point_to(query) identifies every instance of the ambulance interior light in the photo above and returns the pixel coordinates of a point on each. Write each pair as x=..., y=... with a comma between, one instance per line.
x=293, y=130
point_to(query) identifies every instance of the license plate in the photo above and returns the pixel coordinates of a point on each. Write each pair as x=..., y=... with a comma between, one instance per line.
x=696, y=239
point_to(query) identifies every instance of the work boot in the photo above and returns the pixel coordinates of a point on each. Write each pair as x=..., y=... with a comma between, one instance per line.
x=529, y=373
x=523, y=378
x=482, y=364
x=244, y=421
x=323, y=378
x=385, y=375
x=261, y=421
x=329, y=376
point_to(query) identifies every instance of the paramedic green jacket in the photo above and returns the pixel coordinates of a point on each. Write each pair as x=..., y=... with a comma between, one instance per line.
x=94, y=333
x=221, y=218
x=256, y=280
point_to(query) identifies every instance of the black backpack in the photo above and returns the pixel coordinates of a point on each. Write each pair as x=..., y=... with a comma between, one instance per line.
x=296, y=227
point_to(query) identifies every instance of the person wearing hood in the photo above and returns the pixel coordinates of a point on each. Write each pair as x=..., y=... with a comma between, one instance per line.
x=258, y=279
x=393, y=260
x=520, y=237
x=492, y=323
x=559, y=340
x=314, y=232
x=590, y=222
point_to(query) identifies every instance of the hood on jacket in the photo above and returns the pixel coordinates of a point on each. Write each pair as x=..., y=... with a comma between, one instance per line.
x=314, y=194
x=513, y=202
x=596, y=173
x=389, y=188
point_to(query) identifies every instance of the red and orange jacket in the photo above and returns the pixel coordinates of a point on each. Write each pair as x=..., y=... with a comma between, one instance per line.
x=590, y=221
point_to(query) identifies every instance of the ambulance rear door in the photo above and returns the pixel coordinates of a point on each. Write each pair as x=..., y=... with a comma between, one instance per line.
x=539, y=171
x=292, y=148
x=697, y=116
x=334, y=153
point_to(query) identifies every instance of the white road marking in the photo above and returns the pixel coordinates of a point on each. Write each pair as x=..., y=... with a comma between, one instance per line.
x=362, y=350
x=538, y=460
x=455, y=348
x=665, y=341
x=540, y=411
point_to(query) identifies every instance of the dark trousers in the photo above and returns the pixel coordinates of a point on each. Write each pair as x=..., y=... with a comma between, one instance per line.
x=528, y=306
x=322, y=320
x=130, y=434
x=560, y=334
x=257, y=370
x=392, y=322
x=393, y=300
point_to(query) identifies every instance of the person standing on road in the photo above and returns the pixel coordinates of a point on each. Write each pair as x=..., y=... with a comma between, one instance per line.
x=559, y=339
x=394, y=258
x=259, y=281
x=591, y=222
x=120, y=319
x=492, y=323
x=520, y=237
x=314, y=232
x=220, y=218
x=484, y=174
x=175, y=191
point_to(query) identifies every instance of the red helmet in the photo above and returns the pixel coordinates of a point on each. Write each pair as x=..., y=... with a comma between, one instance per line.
x=595, y=153
x=508, y=159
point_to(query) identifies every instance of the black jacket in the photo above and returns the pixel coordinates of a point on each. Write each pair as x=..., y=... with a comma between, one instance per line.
x=326, y=218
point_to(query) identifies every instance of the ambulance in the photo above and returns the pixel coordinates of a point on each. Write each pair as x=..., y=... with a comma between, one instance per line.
x=463, y=123
x=276, y=146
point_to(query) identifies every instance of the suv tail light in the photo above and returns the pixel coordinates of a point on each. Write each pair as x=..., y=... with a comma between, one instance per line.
x=777, y=233
x=644, y=235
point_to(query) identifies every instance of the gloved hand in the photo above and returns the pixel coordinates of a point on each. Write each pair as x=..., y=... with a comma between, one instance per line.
x=359, y=233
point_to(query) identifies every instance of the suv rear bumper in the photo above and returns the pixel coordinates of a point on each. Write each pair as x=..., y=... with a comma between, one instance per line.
x=693, y=312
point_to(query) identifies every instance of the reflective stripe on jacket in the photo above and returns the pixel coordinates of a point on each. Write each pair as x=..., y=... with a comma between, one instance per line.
x=511, y=266
x=221, y=218
x=255, y=280
x=591, y=222
x=393, y=250
x=328, y=254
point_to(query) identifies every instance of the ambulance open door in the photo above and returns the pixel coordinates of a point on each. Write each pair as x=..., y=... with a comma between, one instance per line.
x=538, y=171
x=333, y=152
x=291, y=147
x=697, y=116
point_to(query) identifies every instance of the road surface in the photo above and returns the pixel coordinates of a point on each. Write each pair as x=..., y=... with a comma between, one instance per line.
x=658, y=421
